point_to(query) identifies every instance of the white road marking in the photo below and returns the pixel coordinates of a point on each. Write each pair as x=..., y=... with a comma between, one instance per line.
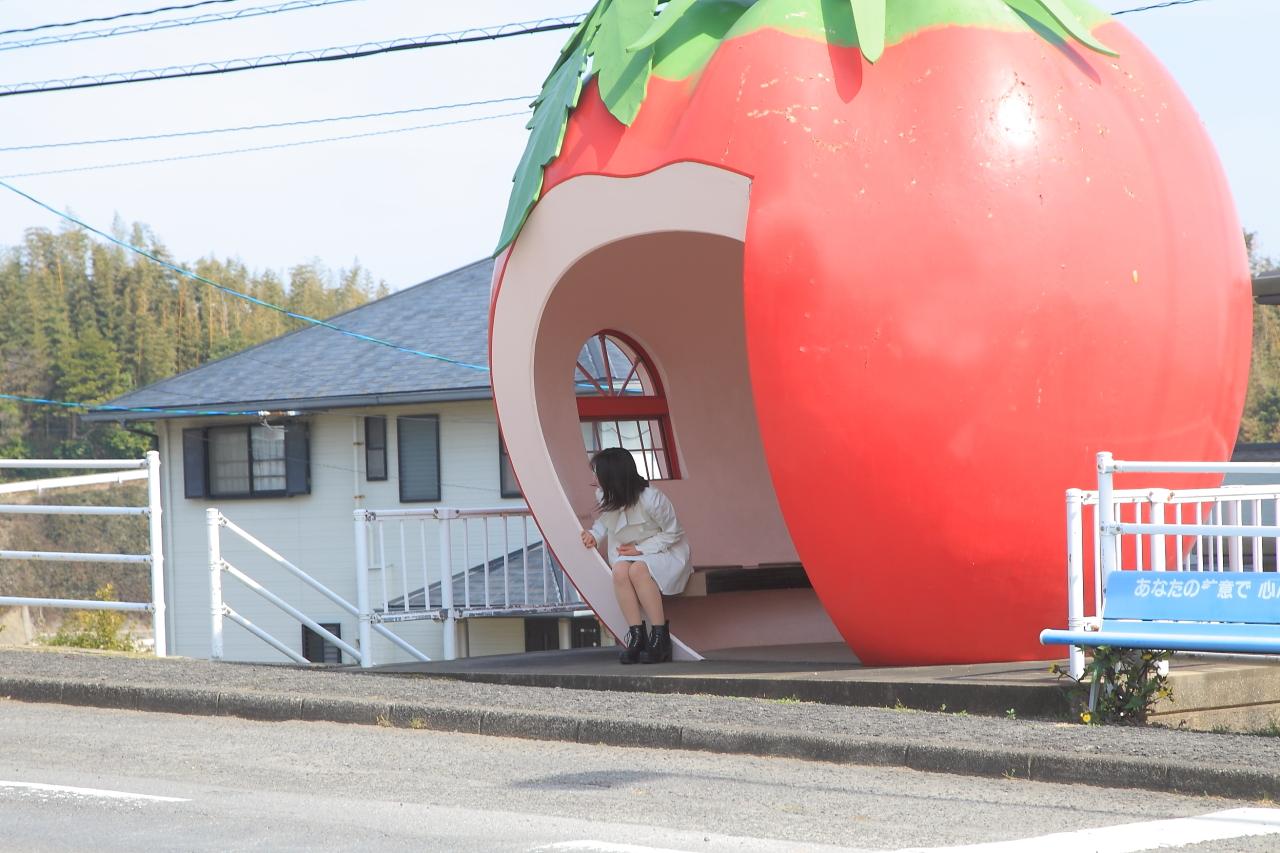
x=1133, y=837
x=88, y=792
x=603, y=847
x=737, y=843
x=1123, y=838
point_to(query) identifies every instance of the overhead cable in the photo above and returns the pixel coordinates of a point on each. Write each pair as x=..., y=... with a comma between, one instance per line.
x=223, y=153
x=186, y=273
x=325, y=54
x=116, y=17
x=172, y=23
x=92, y=407
x=1164, y=5
x=39, y=146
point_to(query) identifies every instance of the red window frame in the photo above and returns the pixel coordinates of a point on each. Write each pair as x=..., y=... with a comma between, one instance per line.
x=610, y=404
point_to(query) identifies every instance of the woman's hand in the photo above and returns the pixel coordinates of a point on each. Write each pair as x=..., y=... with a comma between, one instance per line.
x=629, y=550
x=588, y=540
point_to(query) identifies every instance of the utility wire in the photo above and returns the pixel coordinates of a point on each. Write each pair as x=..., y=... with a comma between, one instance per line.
x=233, y=292
x=115, y=17
x=299, y=123
x=327, y=54
x=277, y=146
x=90, y=407
x=336, y=53
x=173, y=23
x=1164, y=5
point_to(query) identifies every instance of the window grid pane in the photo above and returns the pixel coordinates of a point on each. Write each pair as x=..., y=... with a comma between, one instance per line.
x=268, y=459
x=642, y=438
x=419, y=444
x=611, y=367
x=508, y=486
x=228, y=462
x=375, y=448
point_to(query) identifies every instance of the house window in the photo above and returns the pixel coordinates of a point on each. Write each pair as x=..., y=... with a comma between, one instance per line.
x=507, y=474
x=375, y=448
x=584, y=632
x=247, y=461
x=419, y=451
x=541, y=635
x=317, y=649
x=621, y=403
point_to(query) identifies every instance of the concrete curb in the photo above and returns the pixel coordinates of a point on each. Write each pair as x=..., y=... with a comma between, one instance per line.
x=952, y=758
x=1028, y=701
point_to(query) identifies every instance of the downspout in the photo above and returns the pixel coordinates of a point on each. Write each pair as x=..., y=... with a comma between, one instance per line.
x=166, y=531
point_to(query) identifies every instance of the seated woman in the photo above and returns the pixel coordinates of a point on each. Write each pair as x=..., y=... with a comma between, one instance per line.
x=647, y=550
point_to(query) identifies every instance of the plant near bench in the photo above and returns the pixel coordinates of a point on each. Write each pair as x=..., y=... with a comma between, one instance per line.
x=1121, y=685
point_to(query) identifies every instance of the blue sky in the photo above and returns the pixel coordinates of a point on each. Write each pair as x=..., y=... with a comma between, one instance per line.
x=416, y=204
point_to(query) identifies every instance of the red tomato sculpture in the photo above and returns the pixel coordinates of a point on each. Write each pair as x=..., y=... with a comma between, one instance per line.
x=969, y=265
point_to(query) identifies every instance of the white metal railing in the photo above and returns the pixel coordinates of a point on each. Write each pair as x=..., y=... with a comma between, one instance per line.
x=219, y=610
x=464, y=563
x=1225, y=528
x=115, y=471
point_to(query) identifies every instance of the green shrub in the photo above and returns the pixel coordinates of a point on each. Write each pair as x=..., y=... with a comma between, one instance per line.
x=1129, y=683
x=95, y=629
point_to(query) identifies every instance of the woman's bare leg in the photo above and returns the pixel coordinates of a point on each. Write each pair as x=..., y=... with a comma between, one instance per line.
x=626, y=593
x=645, y=588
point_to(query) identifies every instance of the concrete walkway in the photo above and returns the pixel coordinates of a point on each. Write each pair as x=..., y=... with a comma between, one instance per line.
x=1210, y=694
x=1238, y=766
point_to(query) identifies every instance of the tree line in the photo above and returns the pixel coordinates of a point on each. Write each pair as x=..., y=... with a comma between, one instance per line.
x=85, y=321
x=1261, y=421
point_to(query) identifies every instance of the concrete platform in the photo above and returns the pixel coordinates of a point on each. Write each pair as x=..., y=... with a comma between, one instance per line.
x=1221, y=695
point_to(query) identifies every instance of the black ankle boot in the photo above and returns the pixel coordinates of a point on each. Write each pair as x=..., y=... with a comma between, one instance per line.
x=636, y=641
x=658, y=649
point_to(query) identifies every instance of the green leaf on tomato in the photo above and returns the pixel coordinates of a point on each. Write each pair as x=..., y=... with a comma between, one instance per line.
x=550, y=117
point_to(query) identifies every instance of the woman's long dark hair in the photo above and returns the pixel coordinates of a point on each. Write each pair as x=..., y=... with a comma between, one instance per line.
x=616, y=473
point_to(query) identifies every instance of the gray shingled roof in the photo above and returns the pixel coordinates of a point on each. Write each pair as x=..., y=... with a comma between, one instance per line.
x=545, y=586
x=315, y=367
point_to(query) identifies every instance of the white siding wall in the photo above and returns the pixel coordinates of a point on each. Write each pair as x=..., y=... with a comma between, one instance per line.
x=315, y=532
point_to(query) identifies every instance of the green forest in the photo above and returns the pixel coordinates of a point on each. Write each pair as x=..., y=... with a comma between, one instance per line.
x=82, y=320
x=86, y=321
x=1261, y=421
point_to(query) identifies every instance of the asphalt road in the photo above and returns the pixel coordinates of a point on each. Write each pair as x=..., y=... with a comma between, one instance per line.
x=91, y=779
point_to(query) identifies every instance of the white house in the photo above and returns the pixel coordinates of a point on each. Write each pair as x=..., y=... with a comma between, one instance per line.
x=354, y=425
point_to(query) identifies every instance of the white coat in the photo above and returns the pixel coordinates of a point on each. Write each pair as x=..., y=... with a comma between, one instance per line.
x=651, y=525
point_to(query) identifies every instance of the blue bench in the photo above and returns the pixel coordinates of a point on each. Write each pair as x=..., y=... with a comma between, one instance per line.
x=1230, y=612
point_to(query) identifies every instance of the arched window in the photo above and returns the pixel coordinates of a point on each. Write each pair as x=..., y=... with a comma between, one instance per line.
x=621, y=404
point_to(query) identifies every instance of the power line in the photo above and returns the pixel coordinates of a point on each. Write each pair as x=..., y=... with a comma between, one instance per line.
x=1164, y=5
x=173, y=23
x=277, y=146
x=328, y=54
x=299, y=123
x=90, y=407
x=233, y=292
x=115, y=17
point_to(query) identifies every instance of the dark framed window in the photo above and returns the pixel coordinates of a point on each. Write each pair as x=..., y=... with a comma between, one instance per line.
x=621, y=403
x=506, y=474
x=317, y=649
x=418, y=446
x=541, y=635
x=247, y=461
x=375, y=448
x=584, y=632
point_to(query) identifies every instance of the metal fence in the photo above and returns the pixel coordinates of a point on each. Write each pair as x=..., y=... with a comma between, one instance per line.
x=449, y=564
x=115, y=471
x=1225, y=528
x=216, y=522
x=443, y=565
